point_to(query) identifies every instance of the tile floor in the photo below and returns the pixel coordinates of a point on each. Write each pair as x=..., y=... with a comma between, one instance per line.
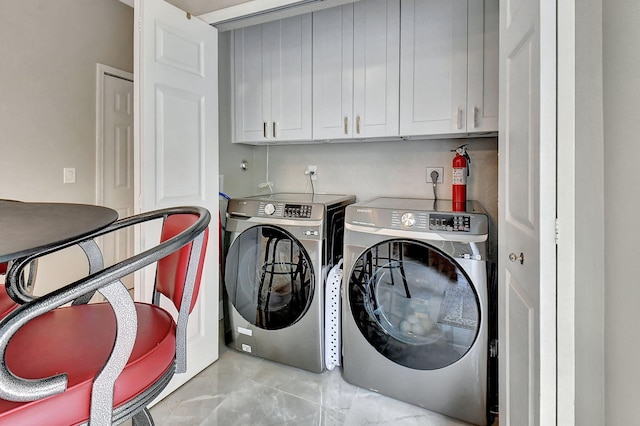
x=240, y=389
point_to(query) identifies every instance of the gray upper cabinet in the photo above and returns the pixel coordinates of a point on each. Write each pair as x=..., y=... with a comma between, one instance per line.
x=356, y=54
x=372, y=69
x=272, y=81
x=449, y=67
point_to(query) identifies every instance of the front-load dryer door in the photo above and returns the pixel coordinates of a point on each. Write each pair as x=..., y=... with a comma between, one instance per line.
x=269, y=277
x=414, y=304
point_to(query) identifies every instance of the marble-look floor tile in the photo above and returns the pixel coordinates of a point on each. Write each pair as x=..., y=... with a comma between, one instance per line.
x=240, y=389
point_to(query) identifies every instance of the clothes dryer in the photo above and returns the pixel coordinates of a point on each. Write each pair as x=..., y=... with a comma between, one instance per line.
x=415, y=313
x=280, y=248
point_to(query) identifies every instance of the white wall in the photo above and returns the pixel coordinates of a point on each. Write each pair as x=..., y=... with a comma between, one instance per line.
x=49, y=53
x=621, y=61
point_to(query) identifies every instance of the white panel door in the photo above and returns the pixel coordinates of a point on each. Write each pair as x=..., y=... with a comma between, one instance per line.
x=117, y=164
x=433, y=64
x=527, y=193
x=176, y=83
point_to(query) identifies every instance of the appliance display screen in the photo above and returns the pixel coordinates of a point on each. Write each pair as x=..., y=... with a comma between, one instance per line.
x=449, y=222
x=297, y=210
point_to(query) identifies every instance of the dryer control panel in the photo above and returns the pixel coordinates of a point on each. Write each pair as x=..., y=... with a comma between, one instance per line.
x=449, y=222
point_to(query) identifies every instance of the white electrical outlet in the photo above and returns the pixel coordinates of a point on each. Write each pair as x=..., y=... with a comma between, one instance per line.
x=439, y=170
x=313, y=171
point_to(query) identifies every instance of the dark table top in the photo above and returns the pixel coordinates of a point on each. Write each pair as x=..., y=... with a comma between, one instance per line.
x=27, y=228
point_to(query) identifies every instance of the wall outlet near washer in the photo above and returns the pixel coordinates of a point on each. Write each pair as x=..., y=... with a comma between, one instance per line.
x=313, y=171
x=439, y=170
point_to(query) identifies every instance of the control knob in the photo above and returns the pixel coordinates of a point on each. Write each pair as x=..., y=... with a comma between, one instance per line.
x=269, y=209
x=408, y=220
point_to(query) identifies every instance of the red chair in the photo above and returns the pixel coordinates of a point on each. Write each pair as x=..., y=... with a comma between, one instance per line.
x=7, y=304
x=112, y=365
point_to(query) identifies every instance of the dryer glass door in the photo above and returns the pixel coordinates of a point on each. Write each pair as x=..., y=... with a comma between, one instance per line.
x=269, y=277
x=414, y=304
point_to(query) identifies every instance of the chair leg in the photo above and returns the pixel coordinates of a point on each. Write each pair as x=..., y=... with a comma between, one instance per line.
x=142, y=418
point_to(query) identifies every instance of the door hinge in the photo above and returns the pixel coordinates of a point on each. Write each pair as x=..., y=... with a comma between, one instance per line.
x=557, y=230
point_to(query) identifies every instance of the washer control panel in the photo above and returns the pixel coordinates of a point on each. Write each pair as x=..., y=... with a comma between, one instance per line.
x=297, y=210
x=449, y=222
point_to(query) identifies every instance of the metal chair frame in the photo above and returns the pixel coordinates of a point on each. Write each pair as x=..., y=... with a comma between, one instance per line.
x=107, y=282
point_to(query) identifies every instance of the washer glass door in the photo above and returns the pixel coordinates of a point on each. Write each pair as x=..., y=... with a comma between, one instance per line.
x=269, y=277
x=414, y=304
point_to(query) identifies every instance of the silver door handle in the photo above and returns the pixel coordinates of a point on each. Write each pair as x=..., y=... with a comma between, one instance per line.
x=514, y=257
x=346, y=125
x=476, y=113
x=264, y=129
x=358, y=124
x=275, y=132
x=459, y=118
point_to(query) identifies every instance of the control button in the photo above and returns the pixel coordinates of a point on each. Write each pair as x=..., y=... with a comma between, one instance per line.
x=408, y=220
x=269, y=209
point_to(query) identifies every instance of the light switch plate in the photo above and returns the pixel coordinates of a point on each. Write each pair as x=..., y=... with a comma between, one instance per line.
x=69, y=175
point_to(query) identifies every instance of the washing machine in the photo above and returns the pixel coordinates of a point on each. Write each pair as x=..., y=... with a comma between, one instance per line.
x=414, y=317
x=280, y=248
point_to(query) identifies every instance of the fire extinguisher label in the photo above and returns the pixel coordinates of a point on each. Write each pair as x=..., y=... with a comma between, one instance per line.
x=459, y=175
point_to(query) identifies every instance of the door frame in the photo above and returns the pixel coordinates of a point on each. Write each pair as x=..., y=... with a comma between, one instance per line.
x=102, y=71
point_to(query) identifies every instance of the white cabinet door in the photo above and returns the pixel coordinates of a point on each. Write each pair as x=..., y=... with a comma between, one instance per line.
x=433, y=57
x=272, y=81
x=376, y=68
x=176, y=149
x=356, y=70
x=482, y=96
x=333, y=73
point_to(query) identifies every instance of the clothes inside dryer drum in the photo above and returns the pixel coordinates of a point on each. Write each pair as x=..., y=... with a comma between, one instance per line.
x=414, y=304
x=269, y=278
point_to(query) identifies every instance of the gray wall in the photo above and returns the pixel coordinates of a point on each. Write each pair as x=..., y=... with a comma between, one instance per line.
x=621, y=60
x=49, y=53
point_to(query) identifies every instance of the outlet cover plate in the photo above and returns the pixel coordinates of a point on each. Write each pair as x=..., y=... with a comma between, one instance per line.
x=440, y=171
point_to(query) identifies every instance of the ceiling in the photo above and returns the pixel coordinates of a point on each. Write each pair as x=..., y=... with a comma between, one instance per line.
x=200, y=7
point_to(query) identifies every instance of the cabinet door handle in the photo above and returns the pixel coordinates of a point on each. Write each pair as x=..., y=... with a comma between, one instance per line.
x=476, y=113
x=358, y=124
x=459, y=118
x=275, y=131
x=264, y=129
x=346, y=125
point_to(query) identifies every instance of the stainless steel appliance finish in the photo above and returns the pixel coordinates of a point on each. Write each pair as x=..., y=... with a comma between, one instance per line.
x=281, y=247
x=415, y=312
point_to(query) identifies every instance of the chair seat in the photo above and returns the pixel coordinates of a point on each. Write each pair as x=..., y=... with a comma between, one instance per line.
x=6, y=303
x=78, y=340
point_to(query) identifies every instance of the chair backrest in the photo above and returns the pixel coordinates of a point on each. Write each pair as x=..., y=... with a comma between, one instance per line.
x=3, y=268
x=171, y=275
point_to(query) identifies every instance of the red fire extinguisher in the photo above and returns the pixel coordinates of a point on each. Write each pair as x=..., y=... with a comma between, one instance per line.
x=460, y=172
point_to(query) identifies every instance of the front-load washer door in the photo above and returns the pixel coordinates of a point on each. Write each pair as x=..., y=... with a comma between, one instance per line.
x=269, y=277
x=414, y=304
